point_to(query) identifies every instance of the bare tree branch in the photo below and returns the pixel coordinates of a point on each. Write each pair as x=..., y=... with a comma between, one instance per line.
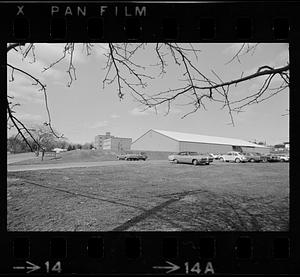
x=10, y=105
x=14, y=45
x=130, y=75
x=239, y=52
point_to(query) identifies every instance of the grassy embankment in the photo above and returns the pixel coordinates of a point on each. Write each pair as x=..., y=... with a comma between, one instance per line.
x=86, y=156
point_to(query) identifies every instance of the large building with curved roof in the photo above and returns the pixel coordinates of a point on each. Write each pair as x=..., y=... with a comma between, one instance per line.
x=169, y=141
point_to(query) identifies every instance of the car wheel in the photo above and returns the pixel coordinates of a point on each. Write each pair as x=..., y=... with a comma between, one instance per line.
x=207, y=163
x=251, y=161
x=175, y=161
x=195, y=162
x=282, y=160
x=237, y=160
x=221, y=159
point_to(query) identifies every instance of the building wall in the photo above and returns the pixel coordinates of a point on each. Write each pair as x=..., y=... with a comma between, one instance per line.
x=117, y=144
x=204, y=147
x=217, y=148
x=98, y=144
x=153, y=141
x=265, y=150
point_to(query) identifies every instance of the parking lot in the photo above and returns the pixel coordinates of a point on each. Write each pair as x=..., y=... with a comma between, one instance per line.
x=151, y=196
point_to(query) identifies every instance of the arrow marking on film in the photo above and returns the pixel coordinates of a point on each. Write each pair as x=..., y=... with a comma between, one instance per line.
x=19, y=267
x=31, y=268
x=172, y=267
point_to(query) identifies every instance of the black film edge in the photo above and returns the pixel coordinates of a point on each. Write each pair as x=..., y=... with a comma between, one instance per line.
x=133, y=252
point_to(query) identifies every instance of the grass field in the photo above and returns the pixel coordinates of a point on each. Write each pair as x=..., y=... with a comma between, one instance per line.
x=83, y=156
x=151, y=197
x=70, y=156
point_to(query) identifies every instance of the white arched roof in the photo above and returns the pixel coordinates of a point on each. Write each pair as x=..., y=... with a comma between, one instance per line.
x=207, y=139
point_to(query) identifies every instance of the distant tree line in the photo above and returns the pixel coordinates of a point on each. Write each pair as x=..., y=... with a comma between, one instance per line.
x=46, y=142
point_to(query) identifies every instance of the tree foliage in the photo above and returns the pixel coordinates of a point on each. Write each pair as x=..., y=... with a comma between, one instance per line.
x=40, y=139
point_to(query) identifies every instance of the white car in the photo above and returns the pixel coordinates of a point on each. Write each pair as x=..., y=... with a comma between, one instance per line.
x=284, y=158
x=233, y=156
x=190, y=158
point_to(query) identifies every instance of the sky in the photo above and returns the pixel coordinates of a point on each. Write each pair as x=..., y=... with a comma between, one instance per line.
x=86, y=109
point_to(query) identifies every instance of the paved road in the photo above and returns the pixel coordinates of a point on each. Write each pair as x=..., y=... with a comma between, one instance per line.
x=12, y=168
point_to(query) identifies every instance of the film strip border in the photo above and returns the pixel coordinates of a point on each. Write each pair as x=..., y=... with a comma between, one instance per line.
x=151, y=253
x=151, y=22
x=191, y=253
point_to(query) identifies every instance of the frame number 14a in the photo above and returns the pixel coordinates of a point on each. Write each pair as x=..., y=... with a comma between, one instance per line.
x=196, y=268
x=188, y=268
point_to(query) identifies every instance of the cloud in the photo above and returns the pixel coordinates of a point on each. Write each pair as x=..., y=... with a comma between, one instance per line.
x=235, y=47
x=115, y=116
x=139, y=112
x=33, y=68
x=99, y=124
x=50, y=52
x=101, y=49
x=27, y=95
x=175, y=111
x=282, y=58
x=29, y=117
x=46, y=54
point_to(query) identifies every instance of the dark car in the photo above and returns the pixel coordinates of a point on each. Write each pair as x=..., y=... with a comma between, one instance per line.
x=264, y=157
x=215, y=156
x=273, y=158
x=253, y=157
x=133, y=156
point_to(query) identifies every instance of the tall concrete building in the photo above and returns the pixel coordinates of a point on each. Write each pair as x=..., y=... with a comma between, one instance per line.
x=117, y=144
x=98, y=144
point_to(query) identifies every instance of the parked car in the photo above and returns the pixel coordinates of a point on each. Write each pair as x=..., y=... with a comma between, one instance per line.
x=215, y=156
x=121, y=156
x=191, y=158
x=133, y=156
x=273, y=158
x=233, y=156
x=264, y=157
x=253, y=157
x=284, y=158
